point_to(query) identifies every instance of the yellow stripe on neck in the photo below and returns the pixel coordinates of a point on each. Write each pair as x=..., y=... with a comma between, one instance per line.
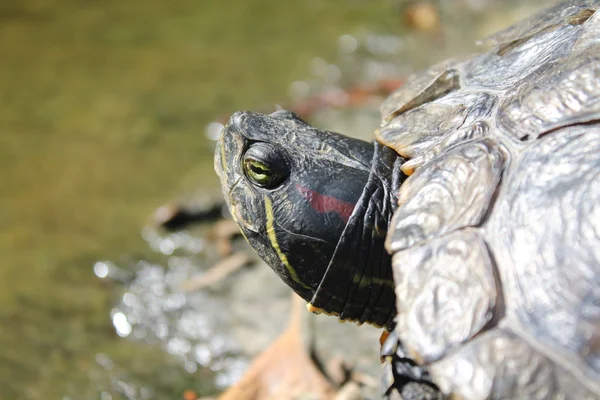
x=317, y=310
x=223, y=159
x=362, y=283
x=273, y=238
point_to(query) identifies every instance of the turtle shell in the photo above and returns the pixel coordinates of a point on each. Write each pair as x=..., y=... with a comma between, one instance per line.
x=496, y=238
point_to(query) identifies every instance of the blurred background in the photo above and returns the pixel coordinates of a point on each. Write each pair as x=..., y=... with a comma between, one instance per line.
x=109, y=109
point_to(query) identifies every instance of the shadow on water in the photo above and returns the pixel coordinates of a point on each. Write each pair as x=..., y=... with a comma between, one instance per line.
x=103, y=106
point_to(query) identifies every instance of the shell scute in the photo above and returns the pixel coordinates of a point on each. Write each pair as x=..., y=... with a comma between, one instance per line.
x=446, y=293
x=499, y=364
x=509, y=153
x=452, y=192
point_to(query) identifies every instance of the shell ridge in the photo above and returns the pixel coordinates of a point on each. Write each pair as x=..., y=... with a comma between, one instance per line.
x=550, y=352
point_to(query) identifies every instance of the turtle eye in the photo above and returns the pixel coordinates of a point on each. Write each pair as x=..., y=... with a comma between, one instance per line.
x=265, y=166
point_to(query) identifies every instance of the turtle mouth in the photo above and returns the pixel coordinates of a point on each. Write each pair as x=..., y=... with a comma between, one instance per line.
x=235, y=208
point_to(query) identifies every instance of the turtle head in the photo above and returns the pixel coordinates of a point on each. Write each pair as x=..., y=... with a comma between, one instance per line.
x=291, y=188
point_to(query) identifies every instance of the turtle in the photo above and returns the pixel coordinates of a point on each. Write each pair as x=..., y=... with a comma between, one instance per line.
x=469, y=227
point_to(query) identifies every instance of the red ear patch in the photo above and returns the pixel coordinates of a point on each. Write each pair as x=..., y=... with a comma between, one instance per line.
x=325, y=204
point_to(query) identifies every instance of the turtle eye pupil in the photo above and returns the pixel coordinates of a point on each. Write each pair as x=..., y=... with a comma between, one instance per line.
x=265, y=166
x=257, y=171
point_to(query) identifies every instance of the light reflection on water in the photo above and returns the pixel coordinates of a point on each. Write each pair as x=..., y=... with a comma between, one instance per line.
x=168, y=243
x=155, y=309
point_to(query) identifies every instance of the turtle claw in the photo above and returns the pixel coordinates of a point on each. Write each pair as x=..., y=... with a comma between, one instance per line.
x=402, y=378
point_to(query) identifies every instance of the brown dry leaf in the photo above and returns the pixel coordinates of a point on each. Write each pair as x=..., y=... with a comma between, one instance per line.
x=222, y=234
x=422, y=15
x=284, y=371
x=350, y=391
x=189, y=394
x=218, y=272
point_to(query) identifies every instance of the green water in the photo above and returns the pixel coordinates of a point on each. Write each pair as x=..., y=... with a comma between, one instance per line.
x=103, y=106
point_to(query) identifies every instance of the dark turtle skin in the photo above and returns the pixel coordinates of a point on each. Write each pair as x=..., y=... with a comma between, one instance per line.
x=315, y=205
